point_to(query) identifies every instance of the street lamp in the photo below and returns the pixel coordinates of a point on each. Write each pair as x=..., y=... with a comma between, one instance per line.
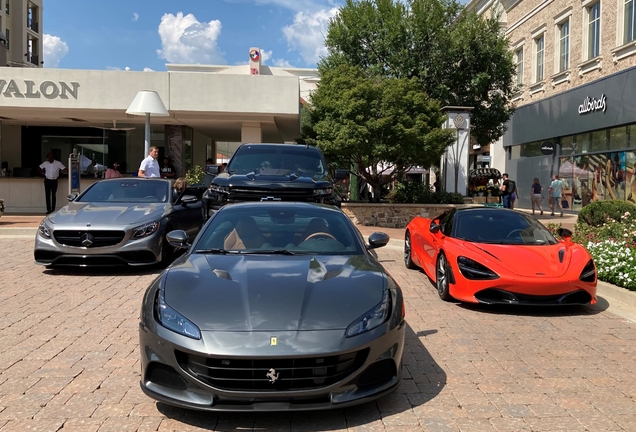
x=148, y=103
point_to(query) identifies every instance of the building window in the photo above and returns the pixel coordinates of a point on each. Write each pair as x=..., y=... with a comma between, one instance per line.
x=519, y=61
x=594, y=31
x=8, y=35
x=630, y=32
x=6, y=7
x=539, y=45
x=564, y=46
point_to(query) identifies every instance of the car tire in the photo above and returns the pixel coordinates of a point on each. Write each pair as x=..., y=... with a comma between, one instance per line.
x=442, y=277
x=408, y=260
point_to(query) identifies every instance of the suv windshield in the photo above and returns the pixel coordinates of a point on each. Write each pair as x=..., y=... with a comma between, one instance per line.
x=127, y=191
x=283, y=161
x=500, y=227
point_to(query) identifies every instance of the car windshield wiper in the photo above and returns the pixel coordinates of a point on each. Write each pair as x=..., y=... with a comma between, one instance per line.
x=272, y=252
x=215, y=251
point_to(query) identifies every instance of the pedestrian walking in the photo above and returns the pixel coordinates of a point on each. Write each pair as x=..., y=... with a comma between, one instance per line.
x=554, y=192
x=51, y=169
x=149, y=167
x=507, y=189
x=536, y=196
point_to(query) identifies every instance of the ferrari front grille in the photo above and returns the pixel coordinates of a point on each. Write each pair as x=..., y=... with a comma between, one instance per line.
x=271, y=374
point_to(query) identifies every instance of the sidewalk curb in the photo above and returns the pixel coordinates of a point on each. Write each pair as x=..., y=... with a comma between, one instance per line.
x=617, y=293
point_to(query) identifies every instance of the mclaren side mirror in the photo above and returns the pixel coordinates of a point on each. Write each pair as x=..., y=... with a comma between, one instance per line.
x=178, y=239
x=565, y=233
x=72, y=197
x=188, y=199
x=341, y=174
x=434, y=228
x=377, y=240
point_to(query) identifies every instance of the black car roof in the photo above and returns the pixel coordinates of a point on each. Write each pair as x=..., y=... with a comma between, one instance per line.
x=295, y=204
x=277, y=146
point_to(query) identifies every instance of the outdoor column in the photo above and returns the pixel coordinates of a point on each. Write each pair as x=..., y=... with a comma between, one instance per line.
x=251, y=132
x=454, y=164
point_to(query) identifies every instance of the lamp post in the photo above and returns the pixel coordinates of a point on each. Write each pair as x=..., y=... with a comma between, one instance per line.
x=147, y=103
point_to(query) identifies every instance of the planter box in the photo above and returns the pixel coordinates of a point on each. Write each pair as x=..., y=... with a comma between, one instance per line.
x=389, y=215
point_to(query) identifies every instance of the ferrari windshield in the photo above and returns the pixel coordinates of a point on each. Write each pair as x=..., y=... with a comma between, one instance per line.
x=282, y=161
x=279, y=228
x=500, y=226
x=128, y=191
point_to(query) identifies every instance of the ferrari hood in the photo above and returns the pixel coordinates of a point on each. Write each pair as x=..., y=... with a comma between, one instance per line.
x=527, y=261
x=106, y=213
x=272, y=293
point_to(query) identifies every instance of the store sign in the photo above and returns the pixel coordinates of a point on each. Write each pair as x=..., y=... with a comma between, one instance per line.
x=46, y=89
x=547, y=148
x=591, y=105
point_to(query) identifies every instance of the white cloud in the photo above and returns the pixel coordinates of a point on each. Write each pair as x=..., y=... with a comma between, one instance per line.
x=127, y=69
x=112, y=68
x=54, y=50
x=147, y=69
x=282, y=63
x=266, y=55
x=186, y=40
x=135, y=16
x=307, y=34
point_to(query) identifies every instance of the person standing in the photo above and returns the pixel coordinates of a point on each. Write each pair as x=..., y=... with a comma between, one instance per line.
x=114, y=171
x=536, y=195
x=507, y=189
x=149, y=167
x=167, y=170
x=554, y=192
x=51, y=169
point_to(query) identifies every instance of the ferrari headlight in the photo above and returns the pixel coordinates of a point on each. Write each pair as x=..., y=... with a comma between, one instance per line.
x=173, y=320
x=471, y=269
x=372, y=319
x=589, y=272
x=44, y=230
x=323, y=191
x=220, y=189
x=145, y=230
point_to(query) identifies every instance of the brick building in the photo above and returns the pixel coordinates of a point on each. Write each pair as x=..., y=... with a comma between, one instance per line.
x=576, y=104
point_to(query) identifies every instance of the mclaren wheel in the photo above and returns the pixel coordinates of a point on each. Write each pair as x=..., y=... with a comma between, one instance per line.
x=408, y=261
x=443, y=275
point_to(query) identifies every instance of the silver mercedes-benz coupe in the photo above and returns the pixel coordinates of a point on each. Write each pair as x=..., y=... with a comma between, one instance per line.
x=275, y=306
x=118, y=221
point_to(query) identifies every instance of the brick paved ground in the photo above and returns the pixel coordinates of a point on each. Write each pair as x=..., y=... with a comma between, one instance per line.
x=69, y=362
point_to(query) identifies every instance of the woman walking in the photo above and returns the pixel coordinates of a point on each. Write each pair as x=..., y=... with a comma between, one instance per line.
x=536, y=195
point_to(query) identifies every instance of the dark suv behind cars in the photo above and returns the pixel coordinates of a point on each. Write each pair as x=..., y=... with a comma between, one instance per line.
x=273, y=172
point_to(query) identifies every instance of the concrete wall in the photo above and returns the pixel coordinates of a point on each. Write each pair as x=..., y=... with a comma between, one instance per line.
x=26, y=195
x=393, y=215
x=10, y=139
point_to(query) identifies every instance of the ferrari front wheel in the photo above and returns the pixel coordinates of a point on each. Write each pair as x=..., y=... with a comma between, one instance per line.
x=442, y=277
x=408, y=260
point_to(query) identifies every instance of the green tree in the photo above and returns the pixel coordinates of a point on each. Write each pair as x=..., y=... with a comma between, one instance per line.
x=362, y=121
x=459, y=58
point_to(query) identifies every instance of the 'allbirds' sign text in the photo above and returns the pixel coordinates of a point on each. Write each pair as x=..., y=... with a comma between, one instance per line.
x=591, y=105
x=46, y=89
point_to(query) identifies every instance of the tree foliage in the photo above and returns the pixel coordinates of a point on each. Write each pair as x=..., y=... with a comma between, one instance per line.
x=361, y=121
x=458, y=58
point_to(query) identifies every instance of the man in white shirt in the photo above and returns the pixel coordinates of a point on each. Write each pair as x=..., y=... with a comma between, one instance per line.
x=50, y=169
x=150, y=167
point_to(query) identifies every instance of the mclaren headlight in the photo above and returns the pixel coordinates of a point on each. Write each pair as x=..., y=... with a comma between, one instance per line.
x=589, y=272
x=44, y=230
x=372, y=319
x=173, y=320
x=323, y=191
x=219, y=189
x=145, y=230
x=471, y=269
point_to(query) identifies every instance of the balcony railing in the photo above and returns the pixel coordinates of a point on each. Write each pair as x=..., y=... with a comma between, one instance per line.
x=32, y=25
x=33, y=58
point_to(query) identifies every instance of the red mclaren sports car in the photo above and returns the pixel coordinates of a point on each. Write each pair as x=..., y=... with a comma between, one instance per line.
x=499, y=256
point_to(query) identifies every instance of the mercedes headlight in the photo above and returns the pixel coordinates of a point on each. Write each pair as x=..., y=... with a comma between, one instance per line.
x=173, y=320
x=44, y=230
x=323, y=191
x=145, y=230
x=220, y=189
x=372, y=319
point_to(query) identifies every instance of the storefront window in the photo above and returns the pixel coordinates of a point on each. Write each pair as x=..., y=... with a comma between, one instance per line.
x=618, y=138
x=631, y=135
x=583, y=143
x=599, y=140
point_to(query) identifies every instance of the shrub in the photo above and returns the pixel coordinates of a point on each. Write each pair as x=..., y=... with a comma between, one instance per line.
x=411, y=192
x=598, y=212
x=195, y=175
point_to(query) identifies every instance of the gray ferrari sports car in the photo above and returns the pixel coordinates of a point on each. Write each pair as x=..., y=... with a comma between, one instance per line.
x=275, y=306
x=118, y=221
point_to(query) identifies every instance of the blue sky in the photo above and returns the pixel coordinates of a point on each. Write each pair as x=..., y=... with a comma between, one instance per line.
x=147, y=34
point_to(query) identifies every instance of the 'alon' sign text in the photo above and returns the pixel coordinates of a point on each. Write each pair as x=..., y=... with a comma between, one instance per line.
x=46, y=89
x=590, y=105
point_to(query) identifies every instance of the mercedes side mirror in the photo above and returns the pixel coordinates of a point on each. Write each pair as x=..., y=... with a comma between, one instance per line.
x=72, y=197
x=178, y=239
x=378, y=239
x=188, y=199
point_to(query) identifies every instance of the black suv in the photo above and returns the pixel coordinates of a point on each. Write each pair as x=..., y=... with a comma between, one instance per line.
x=276, y=172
